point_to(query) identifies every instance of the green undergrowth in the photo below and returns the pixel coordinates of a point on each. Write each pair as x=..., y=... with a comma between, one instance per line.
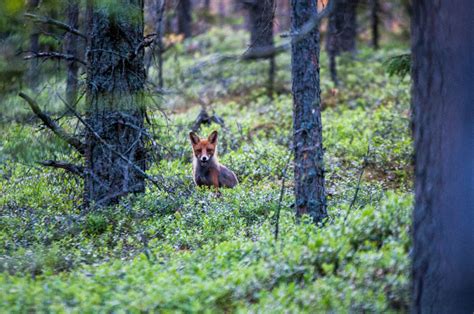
x=178, y=248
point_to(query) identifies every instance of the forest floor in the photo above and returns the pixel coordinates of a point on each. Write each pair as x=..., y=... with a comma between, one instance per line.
x=182, y=249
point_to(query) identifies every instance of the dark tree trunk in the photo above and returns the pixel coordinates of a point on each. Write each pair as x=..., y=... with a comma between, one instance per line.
x=159, y=40
x=32, y=74
x=443, y=99
x=115, y=153
x=374, y=10
x=309, y=169
x=342, y=32
x=207, y=5
x=185, y=18
x=331, y=47
x=71, y=47
x=408, y=7
x=343, y=22
x=261, y=15
x=159, y=7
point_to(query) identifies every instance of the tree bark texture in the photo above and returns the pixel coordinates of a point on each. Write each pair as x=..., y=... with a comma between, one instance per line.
x=185, y=18
x=374, y=12
x=309, y=169
x=443, y=108
x=261, y=15
x=32, y=74
x=343, y=26
x=71, y=48
x=115, y=152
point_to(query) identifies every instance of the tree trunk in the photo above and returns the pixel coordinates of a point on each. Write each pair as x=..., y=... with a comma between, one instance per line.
x=331, y=47
x=374, y=8
x=342, y=33
x=158, y=20
x=71, y=47
x=443, y=98
x=115, y=153
x=32, y=74
x=159, y=40
x=343, y=23
x=261, y=15
x=185, y=18
x=309, y=170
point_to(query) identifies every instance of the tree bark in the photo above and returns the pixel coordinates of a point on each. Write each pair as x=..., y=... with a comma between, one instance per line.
x=374, y=10
x=342, y=33
x=309, y=169
x=185, y=18
x=115, y=153
x=261, y=15
x=343, y=22
x=157, y=48
x=71, y=48
x=443, y=98
x=32, y=74
x=331, y=47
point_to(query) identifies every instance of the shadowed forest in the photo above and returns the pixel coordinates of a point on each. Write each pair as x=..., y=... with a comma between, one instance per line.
x=236, y=156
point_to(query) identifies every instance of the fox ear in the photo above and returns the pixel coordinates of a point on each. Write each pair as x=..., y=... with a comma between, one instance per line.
x=194, y=138
x=213, y=137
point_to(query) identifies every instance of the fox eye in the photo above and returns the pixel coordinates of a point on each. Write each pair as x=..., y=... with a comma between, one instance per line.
x=198, y=151
x=210, y=151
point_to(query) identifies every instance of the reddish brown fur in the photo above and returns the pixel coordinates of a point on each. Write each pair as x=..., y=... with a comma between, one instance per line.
x=207, y=171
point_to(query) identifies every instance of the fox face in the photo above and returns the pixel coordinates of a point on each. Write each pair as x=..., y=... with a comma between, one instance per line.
x=204, y=150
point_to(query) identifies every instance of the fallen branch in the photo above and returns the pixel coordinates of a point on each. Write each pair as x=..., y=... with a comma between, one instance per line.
x=74, y=169
x=53, y=126
x=54, y=55
x=59, y=24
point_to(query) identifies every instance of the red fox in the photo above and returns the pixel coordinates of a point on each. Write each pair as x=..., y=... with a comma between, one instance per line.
x=207, y=171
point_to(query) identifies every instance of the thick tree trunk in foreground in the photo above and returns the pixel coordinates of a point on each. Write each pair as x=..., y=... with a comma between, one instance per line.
x=309, y=170
x=185, y=18
x=115, y=153
x=443, y=105
x=71, y=47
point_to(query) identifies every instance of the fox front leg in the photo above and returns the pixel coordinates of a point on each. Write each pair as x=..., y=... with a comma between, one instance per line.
x=215, y=181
